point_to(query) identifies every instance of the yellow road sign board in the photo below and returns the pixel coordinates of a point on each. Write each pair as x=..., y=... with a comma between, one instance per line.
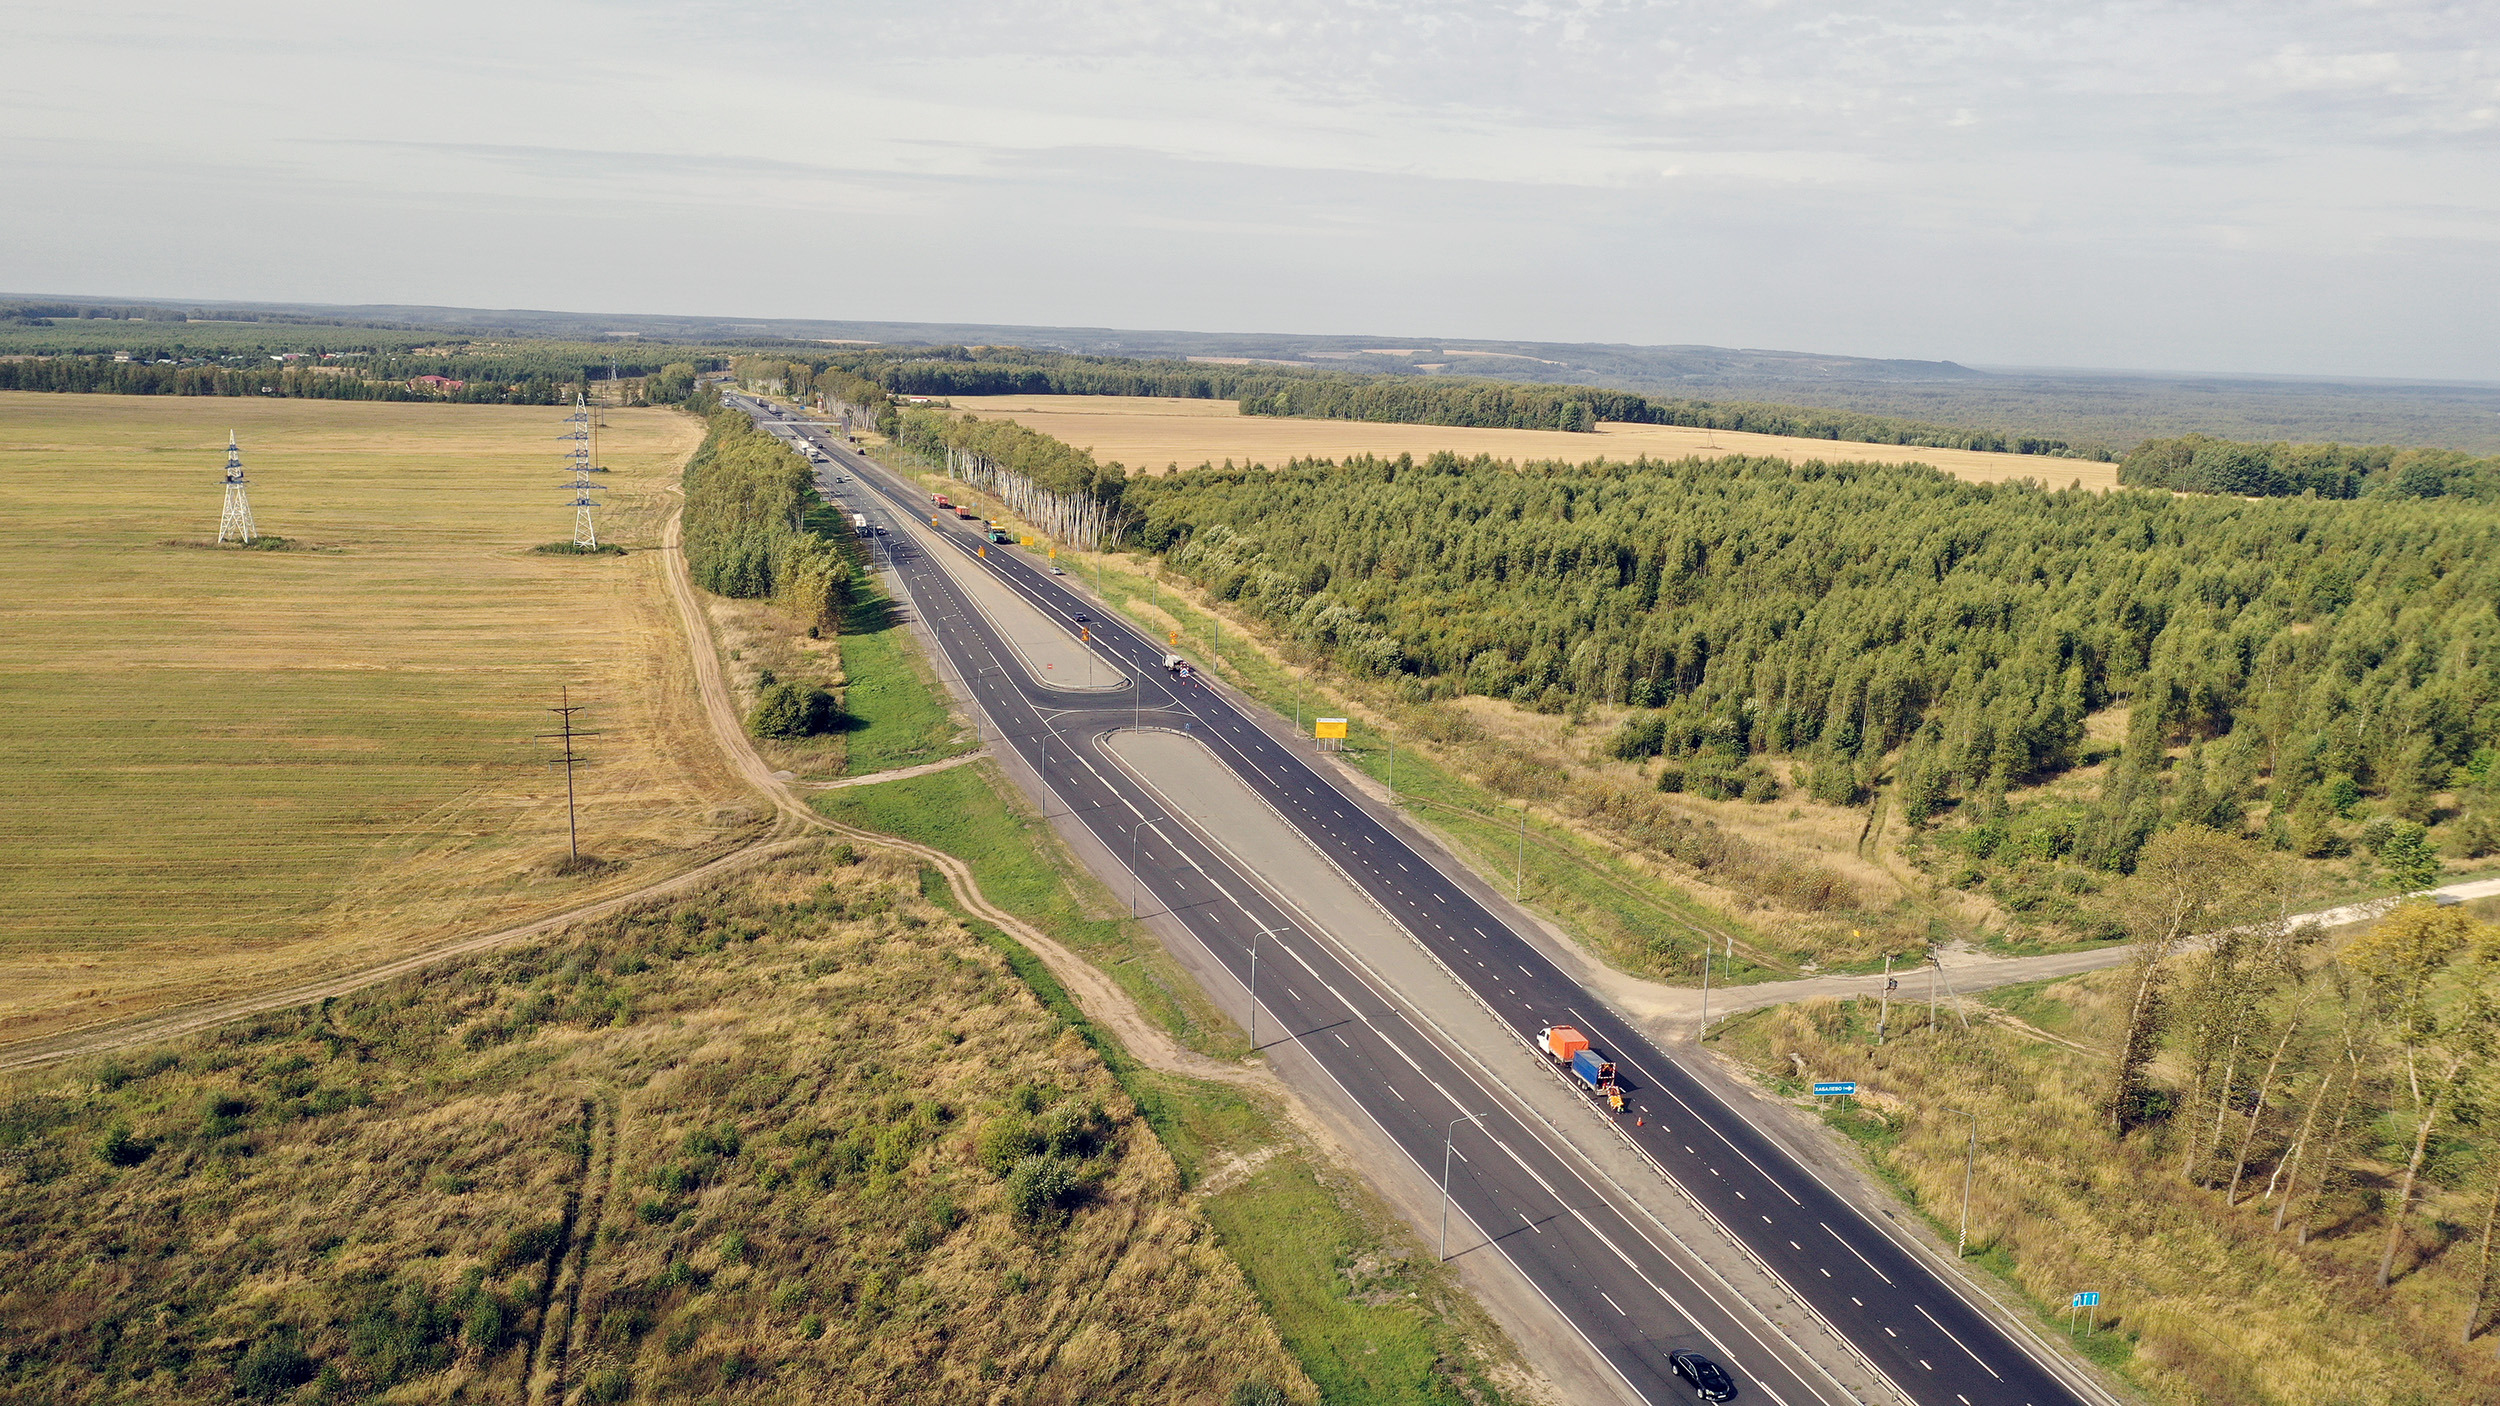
x=1328, y=727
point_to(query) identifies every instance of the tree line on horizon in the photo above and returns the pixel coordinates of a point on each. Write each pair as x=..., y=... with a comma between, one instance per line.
x=1396, y=398
x=2198, y=463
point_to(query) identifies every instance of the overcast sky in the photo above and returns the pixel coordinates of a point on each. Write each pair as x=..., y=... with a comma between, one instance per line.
x=2283, y=187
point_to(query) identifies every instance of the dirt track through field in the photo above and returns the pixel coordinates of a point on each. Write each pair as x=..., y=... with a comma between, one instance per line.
x=1096, y=994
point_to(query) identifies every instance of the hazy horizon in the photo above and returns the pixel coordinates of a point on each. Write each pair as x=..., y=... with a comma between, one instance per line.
x=2289, y=190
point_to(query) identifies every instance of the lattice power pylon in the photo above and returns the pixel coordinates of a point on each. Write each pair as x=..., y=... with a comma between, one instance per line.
x=585, y=531
x=236, y=525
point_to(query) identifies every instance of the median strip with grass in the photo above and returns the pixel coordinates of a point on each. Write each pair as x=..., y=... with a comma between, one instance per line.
x=1626, y=916
x=1349, y=1288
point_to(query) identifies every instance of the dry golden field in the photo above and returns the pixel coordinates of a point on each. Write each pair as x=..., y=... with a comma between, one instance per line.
x=223, y=768
x=1154, y=433
x=798, y=1137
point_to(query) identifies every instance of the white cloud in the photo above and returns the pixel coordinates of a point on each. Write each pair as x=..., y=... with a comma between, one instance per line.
x=2301, y=186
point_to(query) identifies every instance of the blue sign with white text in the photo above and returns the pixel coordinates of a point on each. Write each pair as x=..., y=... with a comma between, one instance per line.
x=2089, y=1298
x=1849, y=1087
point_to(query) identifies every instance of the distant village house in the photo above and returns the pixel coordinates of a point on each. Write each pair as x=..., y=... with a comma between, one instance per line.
x=435, y=383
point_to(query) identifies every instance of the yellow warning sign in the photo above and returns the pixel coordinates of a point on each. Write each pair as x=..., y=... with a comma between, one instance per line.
x=981, y=551
x=1328, y=727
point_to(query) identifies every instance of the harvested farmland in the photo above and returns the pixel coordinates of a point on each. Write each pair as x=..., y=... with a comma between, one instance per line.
x=1154, y=432
x=224, y=768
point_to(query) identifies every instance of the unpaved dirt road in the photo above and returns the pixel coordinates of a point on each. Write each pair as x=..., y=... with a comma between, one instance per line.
x=797, y=824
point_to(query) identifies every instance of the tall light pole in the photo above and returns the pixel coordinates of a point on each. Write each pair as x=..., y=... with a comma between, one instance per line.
x=1254, y=986
x=1970, y=1166
x=1883, y=1011
x=1045, y=740
x=1519, y=874
x=1705, y=988
x=1446, y=1135
x=1133, y=832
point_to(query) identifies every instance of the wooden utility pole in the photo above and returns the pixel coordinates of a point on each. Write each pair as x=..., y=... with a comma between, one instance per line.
x=568, y=761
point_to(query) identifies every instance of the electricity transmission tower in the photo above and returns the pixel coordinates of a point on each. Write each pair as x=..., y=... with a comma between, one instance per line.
x=568, y=761
x=236, y=525
x=585, y=531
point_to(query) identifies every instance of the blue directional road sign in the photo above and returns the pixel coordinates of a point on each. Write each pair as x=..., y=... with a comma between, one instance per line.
x=2089, y=1298
x=1846, y=1087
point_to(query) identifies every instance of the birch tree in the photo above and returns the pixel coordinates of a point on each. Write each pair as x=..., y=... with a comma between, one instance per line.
x=2443, y=1033
x=2189, y=881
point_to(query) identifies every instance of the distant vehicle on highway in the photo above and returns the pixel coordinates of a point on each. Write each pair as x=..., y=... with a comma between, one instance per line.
x=1710, y=1381
x=1082, y=618
x=1055, y=571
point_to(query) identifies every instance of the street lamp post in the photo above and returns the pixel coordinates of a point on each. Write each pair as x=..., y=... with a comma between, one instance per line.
x=1519, y=873
x=1705, y=988
x=1446, y=1135
x=1970, y=1166
x=1254, y=986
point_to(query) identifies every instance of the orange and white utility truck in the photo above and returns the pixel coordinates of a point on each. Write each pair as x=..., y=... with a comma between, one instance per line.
x=1571, y=1049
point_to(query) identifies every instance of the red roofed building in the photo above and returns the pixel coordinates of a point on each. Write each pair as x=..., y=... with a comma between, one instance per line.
x=435, y=383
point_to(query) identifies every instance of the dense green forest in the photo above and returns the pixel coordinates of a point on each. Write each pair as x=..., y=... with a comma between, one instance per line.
x=226, y=356
x=2202, y=464
x=1892, y=623
x=105, y=376
x=1453, y=401
x=747, y=500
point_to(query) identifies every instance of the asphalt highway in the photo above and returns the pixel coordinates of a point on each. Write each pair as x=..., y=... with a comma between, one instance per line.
x=1519, y=1194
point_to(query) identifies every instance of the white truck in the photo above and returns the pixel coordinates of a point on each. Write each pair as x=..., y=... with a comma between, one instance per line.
x=859, y=523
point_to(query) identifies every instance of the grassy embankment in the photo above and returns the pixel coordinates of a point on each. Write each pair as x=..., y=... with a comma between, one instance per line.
x=2199, y=1303
x=1363, y=1309
x=225, y=768
x=1602, y=893
x=799, y=1136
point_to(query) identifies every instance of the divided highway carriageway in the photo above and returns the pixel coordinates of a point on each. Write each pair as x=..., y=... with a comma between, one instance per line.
x=1520, y=1190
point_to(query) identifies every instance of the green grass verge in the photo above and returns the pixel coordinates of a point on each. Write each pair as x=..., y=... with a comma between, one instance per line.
x=970, y=812
x=1877, y=1136
x=898, y=714
x=1365, y=1311
x=1359, y=1300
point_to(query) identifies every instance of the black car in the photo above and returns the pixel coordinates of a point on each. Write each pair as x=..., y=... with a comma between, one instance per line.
x=1710, y=1380
x=1082, y=618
